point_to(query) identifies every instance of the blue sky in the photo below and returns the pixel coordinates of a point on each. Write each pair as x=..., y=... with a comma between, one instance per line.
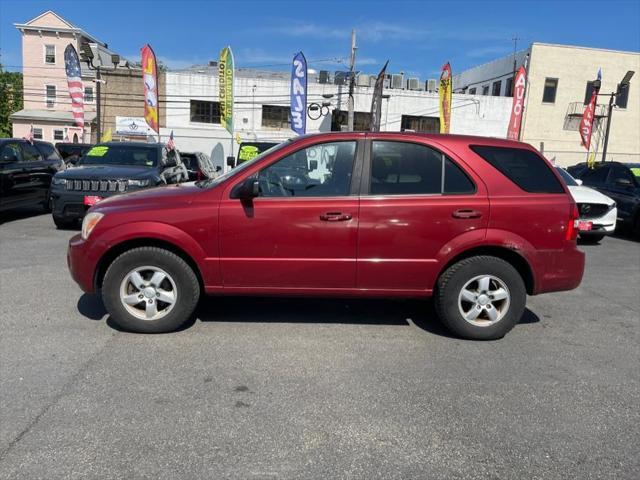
x=417, y=37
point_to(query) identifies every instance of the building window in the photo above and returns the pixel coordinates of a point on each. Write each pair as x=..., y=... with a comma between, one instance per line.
x=58, y=134
x=508, y=87
x=88, y=94
x=485, y=90
x=275, y=117
x=550, y=88
x=623, y=97
x=495, y=89
x=205, y=112
x=340, y=120
x=50, y=54
x=37, y=133
x=51, y=95
x=472, y=91
x=587, y=93
x=420, y=124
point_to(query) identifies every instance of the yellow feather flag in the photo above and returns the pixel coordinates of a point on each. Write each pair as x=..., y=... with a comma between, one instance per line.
x=107, y=136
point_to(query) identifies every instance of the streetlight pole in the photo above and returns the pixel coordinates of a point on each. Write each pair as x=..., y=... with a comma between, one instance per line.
x=98, y=90
x=622, y=87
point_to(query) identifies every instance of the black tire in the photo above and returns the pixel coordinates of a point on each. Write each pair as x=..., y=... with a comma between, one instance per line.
x=451, y=283
x=186, y=283
x=591, y=239
x=64, y=223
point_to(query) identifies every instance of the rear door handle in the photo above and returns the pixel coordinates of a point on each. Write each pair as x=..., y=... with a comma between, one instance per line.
x=335, y=217
x=466, y=213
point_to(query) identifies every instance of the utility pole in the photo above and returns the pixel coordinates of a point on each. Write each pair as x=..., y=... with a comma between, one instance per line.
x=352, y=80
x=515, y=47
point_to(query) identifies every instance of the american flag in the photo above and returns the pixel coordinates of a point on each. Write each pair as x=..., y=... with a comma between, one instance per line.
x=74, y=82
x=170, y=144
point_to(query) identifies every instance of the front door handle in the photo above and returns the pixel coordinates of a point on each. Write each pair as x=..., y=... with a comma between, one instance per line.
x=335, y=217
x=466, y=213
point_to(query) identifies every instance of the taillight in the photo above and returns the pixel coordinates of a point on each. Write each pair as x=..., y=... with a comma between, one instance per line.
x=572, y=224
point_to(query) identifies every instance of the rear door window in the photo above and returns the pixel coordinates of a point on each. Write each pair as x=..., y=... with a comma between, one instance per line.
x=48, y=151
x=402, y=168
x=522, y=166
x=30, y=153
x=596, y=177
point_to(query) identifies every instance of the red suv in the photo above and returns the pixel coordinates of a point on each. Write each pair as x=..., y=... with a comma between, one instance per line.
x=477, y=223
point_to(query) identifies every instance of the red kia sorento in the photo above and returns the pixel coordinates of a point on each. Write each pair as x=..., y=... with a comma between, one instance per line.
x=476, y=223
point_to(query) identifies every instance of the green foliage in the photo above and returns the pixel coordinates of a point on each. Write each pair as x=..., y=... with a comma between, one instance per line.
x=10, y=99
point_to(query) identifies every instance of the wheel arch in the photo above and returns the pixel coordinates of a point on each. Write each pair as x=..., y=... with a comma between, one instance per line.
x=119, y=248
x=518, y=261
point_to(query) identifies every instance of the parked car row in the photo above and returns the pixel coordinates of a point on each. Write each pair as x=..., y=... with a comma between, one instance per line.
x=33, y=173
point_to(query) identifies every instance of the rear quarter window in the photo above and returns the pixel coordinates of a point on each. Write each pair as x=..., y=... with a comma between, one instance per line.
x=523, y=167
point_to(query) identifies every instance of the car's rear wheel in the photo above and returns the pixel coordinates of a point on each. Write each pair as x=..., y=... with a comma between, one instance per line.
x=480, y=298
x=150, y=290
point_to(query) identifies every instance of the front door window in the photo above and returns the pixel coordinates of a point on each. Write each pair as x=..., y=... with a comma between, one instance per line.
x=322, y=170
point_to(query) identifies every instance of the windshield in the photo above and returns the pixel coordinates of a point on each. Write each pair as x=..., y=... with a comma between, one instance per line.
x=568, y=179
x=137, y=156
x=243, y=166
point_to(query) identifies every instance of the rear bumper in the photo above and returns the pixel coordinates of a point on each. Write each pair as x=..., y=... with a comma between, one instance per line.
x=81, y=263
x=559, y=270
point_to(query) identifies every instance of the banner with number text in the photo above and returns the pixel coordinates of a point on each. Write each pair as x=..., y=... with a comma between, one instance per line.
x=299, y=94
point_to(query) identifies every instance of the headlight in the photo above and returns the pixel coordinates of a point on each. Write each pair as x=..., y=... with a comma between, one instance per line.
x=59, y=181
x=89, y=222
x=138, y=183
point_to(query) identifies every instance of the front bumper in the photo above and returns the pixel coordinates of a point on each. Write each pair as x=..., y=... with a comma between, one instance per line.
x=604, y=225
x=69, y=205
x=82, y=264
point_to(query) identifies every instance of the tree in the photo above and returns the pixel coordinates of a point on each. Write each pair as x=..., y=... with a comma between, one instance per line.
x=10, y=99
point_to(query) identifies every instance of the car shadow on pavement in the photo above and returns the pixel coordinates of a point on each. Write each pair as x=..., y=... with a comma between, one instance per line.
x=21, y=213
x=91, y=306
x=418, y=313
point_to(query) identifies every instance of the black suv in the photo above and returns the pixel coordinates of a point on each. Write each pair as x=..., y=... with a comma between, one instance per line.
x=26, y=170
x=620, y=181
x=109, y=169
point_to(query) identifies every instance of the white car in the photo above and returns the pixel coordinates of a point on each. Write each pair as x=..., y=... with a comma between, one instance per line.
x=598, y=212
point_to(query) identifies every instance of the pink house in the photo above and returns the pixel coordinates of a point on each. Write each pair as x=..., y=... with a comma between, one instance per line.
x=47, y=105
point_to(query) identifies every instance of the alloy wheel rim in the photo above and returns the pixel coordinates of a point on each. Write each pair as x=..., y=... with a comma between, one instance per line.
x=148, y=293
x=484, y=300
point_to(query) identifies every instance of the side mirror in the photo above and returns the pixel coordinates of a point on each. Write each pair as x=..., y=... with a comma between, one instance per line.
x=623, y=182
x=218, y=168
x=246, y=190
x=578, y=181
x=231, y=161
x=313, y=165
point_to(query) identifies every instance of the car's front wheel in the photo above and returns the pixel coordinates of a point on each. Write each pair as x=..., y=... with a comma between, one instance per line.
x=150, y=290
x=480, y=298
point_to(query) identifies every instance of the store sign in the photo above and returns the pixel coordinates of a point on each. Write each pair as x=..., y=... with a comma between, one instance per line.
x=132, y=126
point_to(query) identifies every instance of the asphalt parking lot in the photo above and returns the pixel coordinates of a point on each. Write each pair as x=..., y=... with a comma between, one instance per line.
x=281, y=388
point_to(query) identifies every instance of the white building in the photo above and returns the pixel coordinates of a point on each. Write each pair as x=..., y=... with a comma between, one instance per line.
x=261, y=109
x=560, y=82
